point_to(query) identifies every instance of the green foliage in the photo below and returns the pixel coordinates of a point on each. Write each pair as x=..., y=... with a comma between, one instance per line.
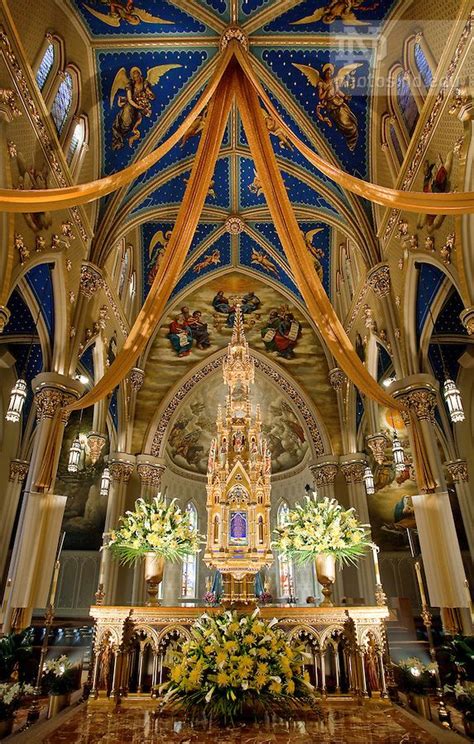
x=12, y=696
x=154, y=527
x=15, y=649
x=315, y=527
x=234, y=666
x=58, y=676
x=456, y=657
x=412, y=675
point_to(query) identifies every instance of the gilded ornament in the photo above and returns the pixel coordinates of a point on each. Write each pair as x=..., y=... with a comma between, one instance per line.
x=150, y=474
x=379, y=280
x=337, y=378
x=136, y=378
x=91, y=281
x=18, y=470
x=353, y=471
x=121, y=471
x=458, y=471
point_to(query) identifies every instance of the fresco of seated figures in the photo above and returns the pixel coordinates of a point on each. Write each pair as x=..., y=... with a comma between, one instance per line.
x=201, y=324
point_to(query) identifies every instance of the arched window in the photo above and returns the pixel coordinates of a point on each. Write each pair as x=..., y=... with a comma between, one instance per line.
x=406, y=102
x=124, y=270
x=46, y=65
x=62, y=103
x=260, y=530
x=76, y=142
x=188, y=575
x=422, y=65
x=391, y=144
x=286, y=579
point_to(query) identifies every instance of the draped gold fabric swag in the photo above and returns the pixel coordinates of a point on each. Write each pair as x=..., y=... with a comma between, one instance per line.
x=413, y=201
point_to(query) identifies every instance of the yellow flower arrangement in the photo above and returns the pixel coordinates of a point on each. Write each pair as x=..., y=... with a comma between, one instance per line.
x=236, y=664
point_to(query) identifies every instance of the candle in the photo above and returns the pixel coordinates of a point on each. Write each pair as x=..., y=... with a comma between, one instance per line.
x=421, y=586
x=375, y=551
x=54, y=585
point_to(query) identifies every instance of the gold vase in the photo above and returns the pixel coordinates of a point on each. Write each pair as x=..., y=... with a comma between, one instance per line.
x=154, y=567
x=326, y=572
x=56, y=703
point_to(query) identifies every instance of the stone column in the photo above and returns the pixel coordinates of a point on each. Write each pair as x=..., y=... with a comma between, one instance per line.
x=150, y=470
x=121, y=466
x=460, y=475
x=378, y=279
x=9, y=505
x=39, y=525
x=353, y=467
x=439, y=544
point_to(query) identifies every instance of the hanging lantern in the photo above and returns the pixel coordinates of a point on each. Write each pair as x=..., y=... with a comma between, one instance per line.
x=369, y=481
x=453, y=400
x=105, y=482
x=74, y=455
x=398, y=454
x=17, y=401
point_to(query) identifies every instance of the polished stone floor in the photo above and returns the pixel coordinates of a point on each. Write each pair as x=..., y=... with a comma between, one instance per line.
x=337, y=723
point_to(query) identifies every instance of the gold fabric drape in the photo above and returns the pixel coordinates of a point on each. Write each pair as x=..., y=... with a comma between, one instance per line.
x=169, y=269
x=412, y=201
x=424, y=474
x=12, y=200
x=299, y=258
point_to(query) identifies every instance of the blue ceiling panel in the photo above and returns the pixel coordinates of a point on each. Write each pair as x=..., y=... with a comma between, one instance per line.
x=430, y=279
x=40, y=280
x=253, y=256
x=216, y=257
x=21, y=321
x=448, y=321
x=146, y=17
x=317, y=17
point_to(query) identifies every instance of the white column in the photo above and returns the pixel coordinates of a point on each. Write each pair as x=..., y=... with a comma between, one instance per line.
x=353, y=467
x=460, y=475
x=9, y=506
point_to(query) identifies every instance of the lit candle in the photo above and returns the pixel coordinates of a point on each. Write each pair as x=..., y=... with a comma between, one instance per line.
x=54, y=585
x=375, y=551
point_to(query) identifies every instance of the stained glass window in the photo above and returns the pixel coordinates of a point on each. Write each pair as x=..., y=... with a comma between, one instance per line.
x=406, y=103
x=45, y=67
x=62, y=102
x=76, y=140
x=396, y=143
x=285, y=565
x=423, y=66
x=188, y=575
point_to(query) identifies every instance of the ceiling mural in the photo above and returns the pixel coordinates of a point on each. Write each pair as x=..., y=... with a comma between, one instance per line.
x=192, y=429
x=124, y=17
x=201, y=324
x=333, y=17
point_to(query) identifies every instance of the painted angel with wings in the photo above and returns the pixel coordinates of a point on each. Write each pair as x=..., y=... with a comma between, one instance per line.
x=123, y=10
x=343, y=9
x=136, y=103
x=333, y=106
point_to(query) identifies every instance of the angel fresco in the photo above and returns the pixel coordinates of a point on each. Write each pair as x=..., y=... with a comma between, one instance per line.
x=122, y=10
x=316, y=252
x=435, y=181
x=136, y=103
x=333, y=106
x=160, y=239
x=343, y=9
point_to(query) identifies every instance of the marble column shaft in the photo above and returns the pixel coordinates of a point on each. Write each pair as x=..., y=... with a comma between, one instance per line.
x=460, y=475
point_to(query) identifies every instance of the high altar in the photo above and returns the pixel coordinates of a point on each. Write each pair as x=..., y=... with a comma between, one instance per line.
x=133, y=645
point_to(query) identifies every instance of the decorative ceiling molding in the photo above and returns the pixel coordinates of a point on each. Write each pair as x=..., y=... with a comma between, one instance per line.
x=157, y=431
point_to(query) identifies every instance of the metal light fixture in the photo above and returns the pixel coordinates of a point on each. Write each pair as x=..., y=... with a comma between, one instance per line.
x=369, y=481
x=74, y=455
x=105, y=482
x=453, y=399
x=398, y=454
x=17, y=401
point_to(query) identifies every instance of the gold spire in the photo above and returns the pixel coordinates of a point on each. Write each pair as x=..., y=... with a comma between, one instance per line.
x=238, y=365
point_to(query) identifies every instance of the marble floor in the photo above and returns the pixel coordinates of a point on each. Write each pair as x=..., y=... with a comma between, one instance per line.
x=337, y=723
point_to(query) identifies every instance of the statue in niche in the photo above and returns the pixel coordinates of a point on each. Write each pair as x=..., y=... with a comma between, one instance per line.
x=435, y=181
x=333, y=106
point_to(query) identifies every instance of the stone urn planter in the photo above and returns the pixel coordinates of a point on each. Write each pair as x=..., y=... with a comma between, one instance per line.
x=420, y=704
x=325, y=564
x=57, y=703
x=154, y=568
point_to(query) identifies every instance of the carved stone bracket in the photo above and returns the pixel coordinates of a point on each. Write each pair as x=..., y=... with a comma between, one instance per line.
x=337, y=378
x=467, y=319
x=91, y=281
x=95, y=442
x=379, y=280
x=458, y=471
x=378, y=443
x=18, y=470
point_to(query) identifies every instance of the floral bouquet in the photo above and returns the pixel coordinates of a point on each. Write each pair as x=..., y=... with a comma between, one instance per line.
x=210, y=598
x=464, y=697
x=237, y=665
x=12, y=696
x=322, y=527
x=265, y=597
x=59, y=676
x=414, y=676
x=154, y=527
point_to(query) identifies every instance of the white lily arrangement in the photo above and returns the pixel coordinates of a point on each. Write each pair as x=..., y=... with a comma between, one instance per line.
x=322, y=526
x=12, y=695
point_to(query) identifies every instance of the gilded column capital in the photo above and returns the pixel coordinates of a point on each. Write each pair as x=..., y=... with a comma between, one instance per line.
x=337, y=378
x=419, y=395
x=91, y=281
x=353, y=467
x=18, y=470
x=150, y=470
x=324, y=474
x=4, y=317
x=467, y=319
x=458, y=471
x=52, y=392
x=378, y=280
x=136, y=378
x=121, y=466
